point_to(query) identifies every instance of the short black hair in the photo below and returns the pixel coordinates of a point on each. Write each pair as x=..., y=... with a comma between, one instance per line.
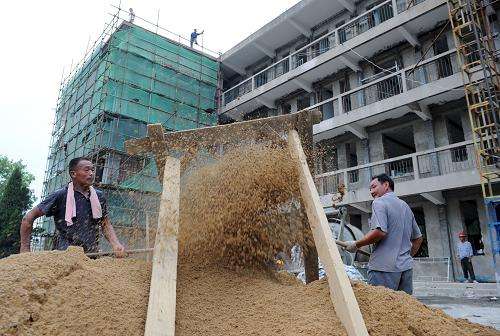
x=74, y=162
x=384, y=178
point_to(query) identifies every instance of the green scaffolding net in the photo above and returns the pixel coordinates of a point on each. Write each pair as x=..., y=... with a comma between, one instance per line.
x=134, y=77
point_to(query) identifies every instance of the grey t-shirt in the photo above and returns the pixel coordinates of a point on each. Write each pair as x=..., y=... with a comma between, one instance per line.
x=394, y=217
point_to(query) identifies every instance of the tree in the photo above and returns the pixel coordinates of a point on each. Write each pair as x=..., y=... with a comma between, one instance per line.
x=7, y=167
x=14, y=201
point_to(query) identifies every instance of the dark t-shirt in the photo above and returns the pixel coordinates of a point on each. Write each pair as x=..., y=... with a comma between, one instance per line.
x=85, y=230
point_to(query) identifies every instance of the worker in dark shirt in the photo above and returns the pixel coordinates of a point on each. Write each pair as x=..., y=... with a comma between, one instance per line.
x=79, y=211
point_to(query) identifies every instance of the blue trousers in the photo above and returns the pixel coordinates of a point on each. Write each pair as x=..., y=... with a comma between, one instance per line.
x=398, y=281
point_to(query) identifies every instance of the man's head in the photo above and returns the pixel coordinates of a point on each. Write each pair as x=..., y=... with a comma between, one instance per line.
x=195, y=30
x=462, y=236
x=81, y=171
x=380, y=185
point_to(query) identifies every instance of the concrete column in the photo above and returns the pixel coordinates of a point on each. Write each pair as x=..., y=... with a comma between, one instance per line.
x=424, y=140
x=341, y=155
x=466, y=125
x=454, y=226
x=364, y=222
x=363, y=152
x=376, y=153
x=434, y=231
x=444, y=227
x=440, y=132
x=423, y=135
x=293, y=104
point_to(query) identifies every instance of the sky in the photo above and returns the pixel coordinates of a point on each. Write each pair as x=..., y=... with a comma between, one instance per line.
x=41, y=39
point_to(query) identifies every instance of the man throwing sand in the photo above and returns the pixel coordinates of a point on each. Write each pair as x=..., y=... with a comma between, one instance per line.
x=395, y=235
x=78, y=210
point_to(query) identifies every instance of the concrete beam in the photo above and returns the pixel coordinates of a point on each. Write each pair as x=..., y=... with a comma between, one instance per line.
x=350, y=63
x=410, y=37
x=361, y=207
x=265, y=102
x=300, y=27
x=435, y=197
x=303, y=84
x=347, y=5
x=421, y=110
x=235, y=68
x=358, y=131
x=264, y=49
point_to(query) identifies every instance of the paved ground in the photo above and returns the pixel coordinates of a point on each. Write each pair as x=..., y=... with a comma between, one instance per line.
x=483, y=310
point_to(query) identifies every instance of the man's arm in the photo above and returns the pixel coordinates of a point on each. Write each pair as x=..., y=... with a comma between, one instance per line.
x=372, y=237
x=110, y=235
x=27, y=227
x=415, y=245
x=378, y=226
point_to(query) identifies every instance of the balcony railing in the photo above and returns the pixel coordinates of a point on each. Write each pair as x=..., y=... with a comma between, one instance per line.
x=395, y=83
x=346, y=32
x=421, y=165
x=403, y=5
x=366, y=21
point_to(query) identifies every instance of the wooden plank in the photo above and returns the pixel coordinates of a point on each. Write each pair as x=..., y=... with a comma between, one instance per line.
x=158, y=146
x=110, y=253
x=160, y=319
x=341, y=293
x=230, y=133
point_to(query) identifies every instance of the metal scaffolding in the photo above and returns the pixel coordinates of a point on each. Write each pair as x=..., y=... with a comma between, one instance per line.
x=130, y=77
x=478, y=57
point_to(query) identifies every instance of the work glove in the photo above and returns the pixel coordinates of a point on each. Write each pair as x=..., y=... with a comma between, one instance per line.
x=351, y=246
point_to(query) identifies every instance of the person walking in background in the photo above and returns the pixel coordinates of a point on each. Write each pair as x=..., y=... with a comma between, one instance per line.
x=465, y=254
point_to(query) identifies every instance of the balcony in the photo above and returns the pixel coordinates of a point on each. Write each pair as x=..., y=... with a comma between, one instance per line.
x=411, y=89
x=334, y=51
x=438, y=169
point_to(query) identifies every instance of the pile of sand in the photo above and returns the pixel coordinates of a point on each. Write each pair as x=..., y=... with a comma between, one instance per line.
x=65, y=293
x=237, y=211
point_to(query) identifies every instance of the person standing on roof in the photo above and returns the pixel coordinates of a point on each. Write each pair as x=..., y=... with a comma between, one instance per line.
x=79, y=211
x=194, y=37
x=395, y=236
x=132, y=15
x=465, y=254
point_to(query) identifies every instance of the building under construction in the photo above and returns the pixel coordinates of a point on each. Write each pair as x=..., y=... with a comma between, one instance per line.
x=131, y=77
x=387, y=76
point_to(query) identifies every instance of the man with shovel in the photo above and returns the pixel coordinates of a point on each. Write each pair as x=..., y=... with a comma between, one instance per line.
x=78, y=210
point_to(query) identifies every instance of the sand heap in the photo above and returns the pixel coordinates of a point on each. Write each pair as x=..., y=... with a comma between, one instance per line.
x=236, y=213
x=65, y=293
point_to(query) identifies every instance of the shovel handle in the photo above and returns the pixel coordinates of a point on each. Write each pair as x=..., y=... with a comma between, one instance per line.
x=107, y=253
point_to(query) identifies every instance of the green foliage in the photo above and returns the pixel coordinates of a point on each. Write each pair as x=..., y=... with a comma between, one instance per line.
x=14, y=201
x=7, y=167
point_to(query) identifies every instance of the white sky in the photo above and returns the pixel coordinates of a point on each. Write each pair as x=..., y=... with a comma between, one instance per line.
x=41, y=38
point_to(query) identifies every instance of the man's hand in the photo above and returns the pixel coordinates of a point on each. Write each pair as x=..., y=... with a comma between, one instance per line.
x=119, y=250
x=351, y=246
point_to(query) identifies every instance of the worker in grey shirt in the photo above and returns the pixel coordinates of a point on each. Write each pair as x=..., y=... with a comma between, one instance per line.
x=395, y=235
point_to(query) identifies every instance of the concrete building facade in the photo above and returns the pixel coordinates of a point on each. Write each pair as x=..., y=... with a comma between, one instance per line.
x=386, y=78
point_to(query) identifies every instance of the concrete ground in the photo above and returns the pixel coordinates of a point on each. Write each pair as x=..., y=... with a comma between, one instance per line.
x=478, y=310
